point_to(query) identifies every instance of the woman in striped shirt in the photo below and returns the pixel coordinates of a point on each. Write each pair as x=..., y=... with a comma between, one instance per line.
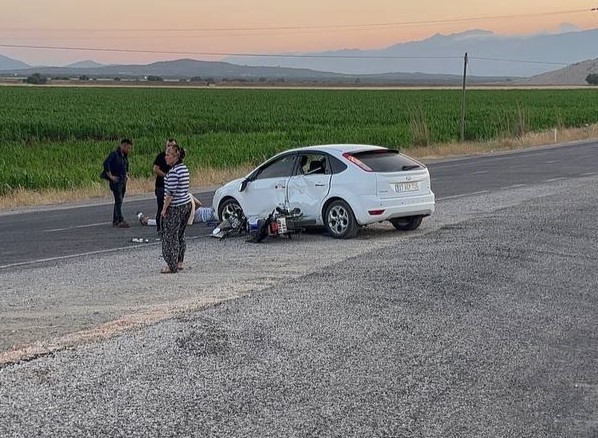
x=176, y=210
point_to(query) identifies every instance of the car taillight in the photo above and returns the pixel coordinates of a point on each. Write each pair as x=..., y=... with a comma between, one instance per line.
x=375, y=212
x=357, y=162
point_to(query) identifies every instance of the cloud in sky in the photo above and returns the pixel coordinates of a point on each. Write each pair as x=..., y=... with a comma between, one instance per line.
x=136, y=31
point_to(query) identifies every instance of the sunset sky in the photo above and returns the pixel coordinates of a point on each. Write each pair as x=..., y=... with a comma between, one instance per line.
x=139, y=32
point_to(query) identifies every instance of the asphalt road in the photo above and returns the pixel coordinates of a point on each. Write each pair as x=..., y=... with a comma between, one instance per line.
x=52, y=234
x=482, y=323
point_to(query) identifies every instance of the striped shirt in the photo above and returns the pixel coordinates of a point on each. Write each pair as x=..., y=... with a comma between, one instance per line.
x=176, y=184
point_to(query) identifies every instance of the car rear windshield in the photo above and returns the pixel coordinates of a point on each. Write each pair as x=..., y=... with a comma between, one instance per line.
x=387, y=161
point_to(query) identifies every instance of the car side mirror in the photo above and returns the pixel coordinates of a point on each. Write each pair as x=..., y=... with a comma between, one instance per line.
x=243, y=185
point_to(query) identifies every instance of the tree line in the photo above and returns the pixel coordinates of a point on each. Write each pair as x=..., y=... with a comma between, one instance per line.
x=39, y=79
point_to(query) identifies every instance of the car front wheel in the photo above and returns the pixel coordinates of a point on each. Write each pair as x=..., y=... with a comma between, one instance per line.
x=230, y=207
x=408, y=223
x=340, y=221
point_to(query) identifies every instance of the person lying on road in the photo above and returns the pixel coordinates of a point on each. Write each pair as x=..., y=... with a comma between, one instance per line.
x=199, y=214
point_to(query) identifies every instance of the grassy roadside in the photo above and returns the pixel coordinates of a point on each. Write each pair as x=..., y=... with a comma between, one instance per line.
x=211, y=177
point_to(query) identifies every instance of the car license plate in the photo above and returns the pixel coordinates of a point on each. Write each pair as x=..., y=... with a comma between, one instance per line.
x=406, y=187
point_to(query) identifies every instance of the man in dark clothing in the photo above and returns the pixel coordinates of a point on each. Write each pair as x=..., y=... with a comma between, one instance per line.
x=116, y=167
x=160, y=169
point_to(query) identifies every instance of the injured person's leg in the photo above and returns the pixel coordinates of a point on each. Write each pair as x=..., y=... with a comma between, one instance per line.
x=202, y=215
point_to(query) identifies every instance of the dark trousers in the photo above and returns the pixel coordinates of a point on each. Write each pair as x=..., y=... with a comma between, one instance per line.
x=118, y=190
x=173, y=235
x=160, y=201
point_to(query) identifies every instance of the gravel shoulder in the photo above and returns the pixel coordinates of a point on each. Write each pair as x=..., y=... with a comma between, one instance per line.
x=481, y=323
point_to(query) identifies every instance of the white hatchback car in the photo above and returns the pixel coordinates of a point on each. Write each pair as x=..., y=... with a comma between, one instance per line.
x=341, y=187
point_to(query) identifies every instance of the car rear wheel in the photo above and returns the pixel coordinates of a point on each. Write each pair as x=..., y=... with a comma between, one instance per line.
x=230, y=207
x=340, y=221
x=408, y=223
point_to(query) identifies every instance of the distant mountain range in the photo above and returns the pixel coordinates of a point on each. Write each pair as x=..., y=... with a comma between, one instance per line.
x=564, y=58
x=223, y=71
x=574, y=74
x=85, y=64
x=489, y=55
x=7, y=63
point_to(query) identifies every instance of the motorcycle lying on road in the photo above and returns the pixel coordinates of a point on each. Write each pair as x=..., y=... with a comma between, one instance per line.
x=281, y=222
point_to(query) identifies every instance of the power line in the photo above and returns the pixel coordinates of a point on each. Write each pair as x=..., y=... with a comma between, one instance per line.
x=263, y=55
x=521, y=61
x=170, y=52
x=286, y=28
x=295, y=28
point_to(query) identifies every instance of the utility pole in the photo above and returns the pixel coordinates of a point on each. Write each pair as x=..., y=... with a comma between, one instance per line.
x=463, y=99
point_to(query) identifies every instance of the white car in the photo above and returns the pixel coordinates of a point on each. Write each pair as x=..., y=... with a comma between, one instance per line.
x=339, y=186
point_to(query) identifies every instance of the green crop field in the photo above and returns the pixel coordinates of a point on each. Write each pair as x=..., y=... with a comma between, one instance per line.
x=57, y=137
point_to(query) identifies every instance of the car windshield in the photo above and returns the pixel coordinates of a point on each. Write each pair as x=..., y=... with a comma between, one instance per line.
x=386, y=161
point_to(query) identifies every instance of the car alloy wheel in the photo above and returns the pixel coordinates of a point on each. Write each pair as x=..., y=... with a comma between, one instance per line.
x=230, y=207
x=340, y=220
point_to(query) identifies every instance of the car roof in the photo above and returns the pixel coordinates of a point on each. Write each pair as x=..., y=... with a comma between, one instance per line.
x=338, y=148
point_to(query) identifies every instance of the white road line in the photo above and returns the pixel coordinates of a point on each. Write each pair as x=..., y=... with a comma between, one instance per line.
x=555, y=179
x=463, y=195
x=102, y=251
x=480, y=172
x=77, y=226
x=72, y=256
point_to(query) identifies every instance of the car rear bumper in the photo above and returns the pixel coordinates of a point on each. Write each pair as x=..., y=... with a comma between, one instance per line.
x=377, y=210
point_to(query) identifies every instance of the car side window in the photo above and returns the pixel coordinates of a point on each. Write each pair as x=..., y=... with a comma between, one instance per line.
x=336, y=165
x=310, y=164
x=282, y=167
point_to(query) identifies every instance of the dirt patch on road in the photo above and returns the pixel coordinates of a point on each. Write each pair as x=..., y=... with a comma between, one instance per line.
x=104, y=331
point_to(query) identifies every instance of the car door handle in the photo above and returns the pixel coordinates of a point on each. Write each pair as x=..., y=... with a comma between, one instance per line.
x=320, y=184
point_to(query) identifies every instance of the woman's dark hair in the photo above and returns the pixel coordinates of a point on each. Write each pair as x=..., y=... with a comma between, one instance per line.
x=178, y=149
